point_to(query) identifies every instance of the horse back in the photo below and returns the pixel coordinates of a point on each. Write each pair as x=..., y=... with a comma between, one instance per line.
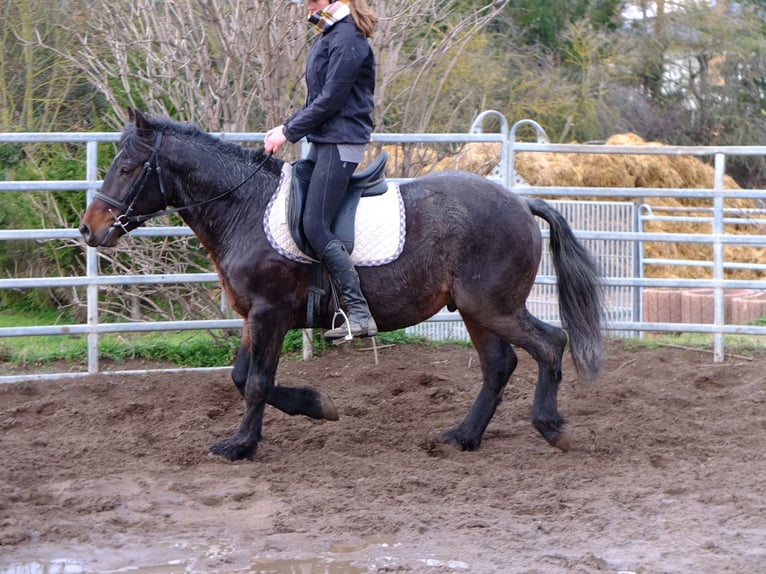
x=469, y=212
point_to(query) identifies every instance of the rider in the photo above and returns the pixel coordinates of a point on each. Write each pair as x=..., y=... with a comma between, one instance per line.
x=337, y=120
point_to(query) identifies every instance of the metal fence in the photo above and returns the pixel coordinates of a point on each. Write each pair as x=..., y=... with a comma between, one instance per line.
x=613, y=230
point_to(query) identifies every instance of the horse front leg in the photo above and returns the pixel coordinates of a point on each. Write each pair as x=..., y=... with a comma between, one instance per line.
x=306, y=401
x=245, y=442
x=266, y=335
x=498, y=361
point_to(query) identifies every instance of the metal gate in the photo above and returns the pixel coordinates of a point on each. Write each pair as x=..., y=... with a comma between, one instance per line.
x=615, y=257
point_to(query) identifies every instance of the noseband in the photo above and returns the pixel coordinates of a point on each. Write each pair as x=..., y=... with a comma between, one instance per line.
x=127, y=206
x=151, y=165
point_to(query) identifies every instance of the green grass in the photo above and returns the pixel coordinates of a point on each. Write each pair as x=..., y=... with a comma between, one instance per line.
x=733, y=344
x=218, y=348
x=184, y=348
x=192, y=349
x=19, y=317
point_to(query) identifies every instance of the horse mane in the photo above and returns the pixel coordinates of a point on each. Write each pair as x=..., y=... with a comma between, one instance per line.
x=134, y=139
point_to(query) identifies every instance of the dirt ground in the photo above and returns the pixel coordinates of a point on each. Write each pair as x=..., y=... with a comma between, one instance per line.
x=667, y=472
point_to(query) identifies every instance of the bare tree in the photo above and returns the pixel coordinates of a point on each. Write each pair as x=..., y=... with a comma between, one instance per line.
x=228, y=65
x=420, y=45
x=237, y=65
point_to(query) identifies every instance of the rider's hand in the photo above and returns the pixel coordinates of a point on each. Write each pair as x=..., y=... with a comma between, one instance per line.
x=274, y=139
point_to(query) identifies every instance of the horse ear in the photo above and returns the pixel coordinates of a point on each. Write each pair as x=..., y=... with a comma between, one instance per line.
x=143, y=125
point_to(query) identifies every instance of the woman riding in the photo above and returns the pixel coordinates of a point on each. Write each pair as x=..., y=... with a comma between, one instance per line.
x=337, y=120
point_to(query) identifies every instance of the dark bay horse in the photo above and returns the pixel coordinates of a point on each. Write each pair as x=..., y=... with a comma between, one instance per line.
x=470, y=245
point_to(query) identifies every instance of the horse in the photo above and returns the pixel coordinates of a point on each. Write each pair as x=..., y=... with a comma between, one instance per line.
x=471, y=245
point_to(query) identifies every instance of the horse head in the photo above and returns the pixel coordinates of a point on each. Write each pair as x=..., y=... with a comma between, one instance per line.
x=132, y=189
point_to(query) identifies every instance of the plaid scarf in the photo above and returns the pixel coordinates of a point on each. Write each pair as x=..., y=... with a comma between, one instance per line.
x=326, y=18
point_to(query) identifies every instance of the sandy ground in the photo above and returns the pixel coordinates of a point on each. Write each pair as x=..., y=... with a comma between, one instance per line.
x=667, y=472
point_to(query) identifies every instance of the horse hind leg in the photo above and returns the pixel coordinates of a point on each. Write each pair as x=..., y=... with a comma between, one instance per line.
x=498, y=361
x=546, y=344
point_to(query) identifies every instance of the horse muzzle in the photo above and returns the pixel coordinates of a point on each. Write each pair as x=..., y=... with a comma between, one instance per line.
x=100, y=230
x=106, y=237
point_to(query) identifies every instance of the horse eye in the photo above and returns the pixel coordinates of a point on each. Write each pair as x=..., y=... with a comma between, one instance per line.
x=127, y=170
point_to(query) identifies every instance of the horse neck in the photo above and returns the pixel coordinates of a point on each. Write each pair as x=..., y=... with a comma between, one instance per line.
x=242, y=204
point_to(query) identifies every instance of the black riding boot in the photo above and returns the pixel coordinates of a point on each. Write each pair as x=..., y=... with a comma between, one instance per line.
x=342, y=272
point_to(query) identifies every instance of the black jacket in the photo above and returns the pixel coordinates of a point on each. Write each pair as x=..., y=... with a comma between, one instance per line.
x=340, y=76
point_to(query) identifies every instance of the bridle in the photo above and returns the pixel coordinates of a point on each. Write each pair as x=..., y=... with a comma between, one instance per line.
x=151, y=165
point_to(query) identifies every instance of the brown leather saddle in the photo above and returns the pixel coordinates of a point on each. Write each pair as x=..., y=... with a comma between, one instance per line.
x=370, y=182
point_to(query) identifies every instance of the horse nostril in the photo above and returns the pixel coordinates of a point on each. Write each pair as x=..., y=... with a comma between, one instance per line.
x=84, y=231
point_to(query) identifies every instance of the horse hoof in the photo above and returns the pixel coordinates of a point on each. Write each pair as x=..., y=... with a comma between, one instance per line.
x=554, y=433
x=328, y=408
x=458, y=439
x=562, y=442
x=232, y=450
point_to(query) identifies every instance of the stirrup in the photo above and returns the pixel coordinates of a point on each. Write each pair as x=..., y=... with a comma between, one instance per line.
x=349, y=336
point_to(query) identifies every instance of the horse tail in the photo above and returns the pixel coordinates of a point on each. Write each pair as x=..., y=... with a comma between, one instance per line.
x=580, y=294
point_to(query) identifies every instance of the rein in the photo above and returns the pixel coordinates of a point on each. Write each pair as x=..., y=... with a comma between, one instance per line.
x=151, y=164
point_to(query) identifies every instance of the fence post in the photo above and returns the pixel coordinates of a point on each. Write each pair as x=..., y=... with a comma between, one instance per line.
x=91, y=261
x=307, y=337
x=719, y=315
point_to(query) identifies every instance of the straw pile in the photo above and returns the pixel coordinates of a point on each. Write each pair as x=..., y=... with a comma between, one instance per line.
x=684, y=172
x=413, y=160
x=594, y=170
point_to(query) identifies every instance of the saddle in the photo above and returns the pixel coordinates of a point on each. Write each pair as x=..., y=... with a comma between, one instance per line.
x=370, y=182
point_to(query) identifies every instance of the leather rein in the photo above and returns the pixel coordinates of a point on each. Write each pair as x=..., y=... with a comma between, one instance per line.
x=152, y=165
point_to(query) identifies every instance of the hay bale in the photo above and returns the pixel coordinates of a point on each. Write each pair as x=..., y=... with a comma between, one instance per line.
x=476, y=157
x=608, y=171
x=652, y=171
x=602, y=170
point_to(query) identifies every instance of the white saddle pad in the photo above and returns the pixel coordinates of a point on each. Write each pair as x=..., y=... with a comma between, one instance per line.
x=379, y=230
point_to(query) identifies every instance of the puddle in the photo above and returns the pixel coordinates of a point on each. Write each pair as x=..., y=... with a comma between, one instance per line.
x=340, y=559
x=322, y=566
x=306, y=567
x=53, y=567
